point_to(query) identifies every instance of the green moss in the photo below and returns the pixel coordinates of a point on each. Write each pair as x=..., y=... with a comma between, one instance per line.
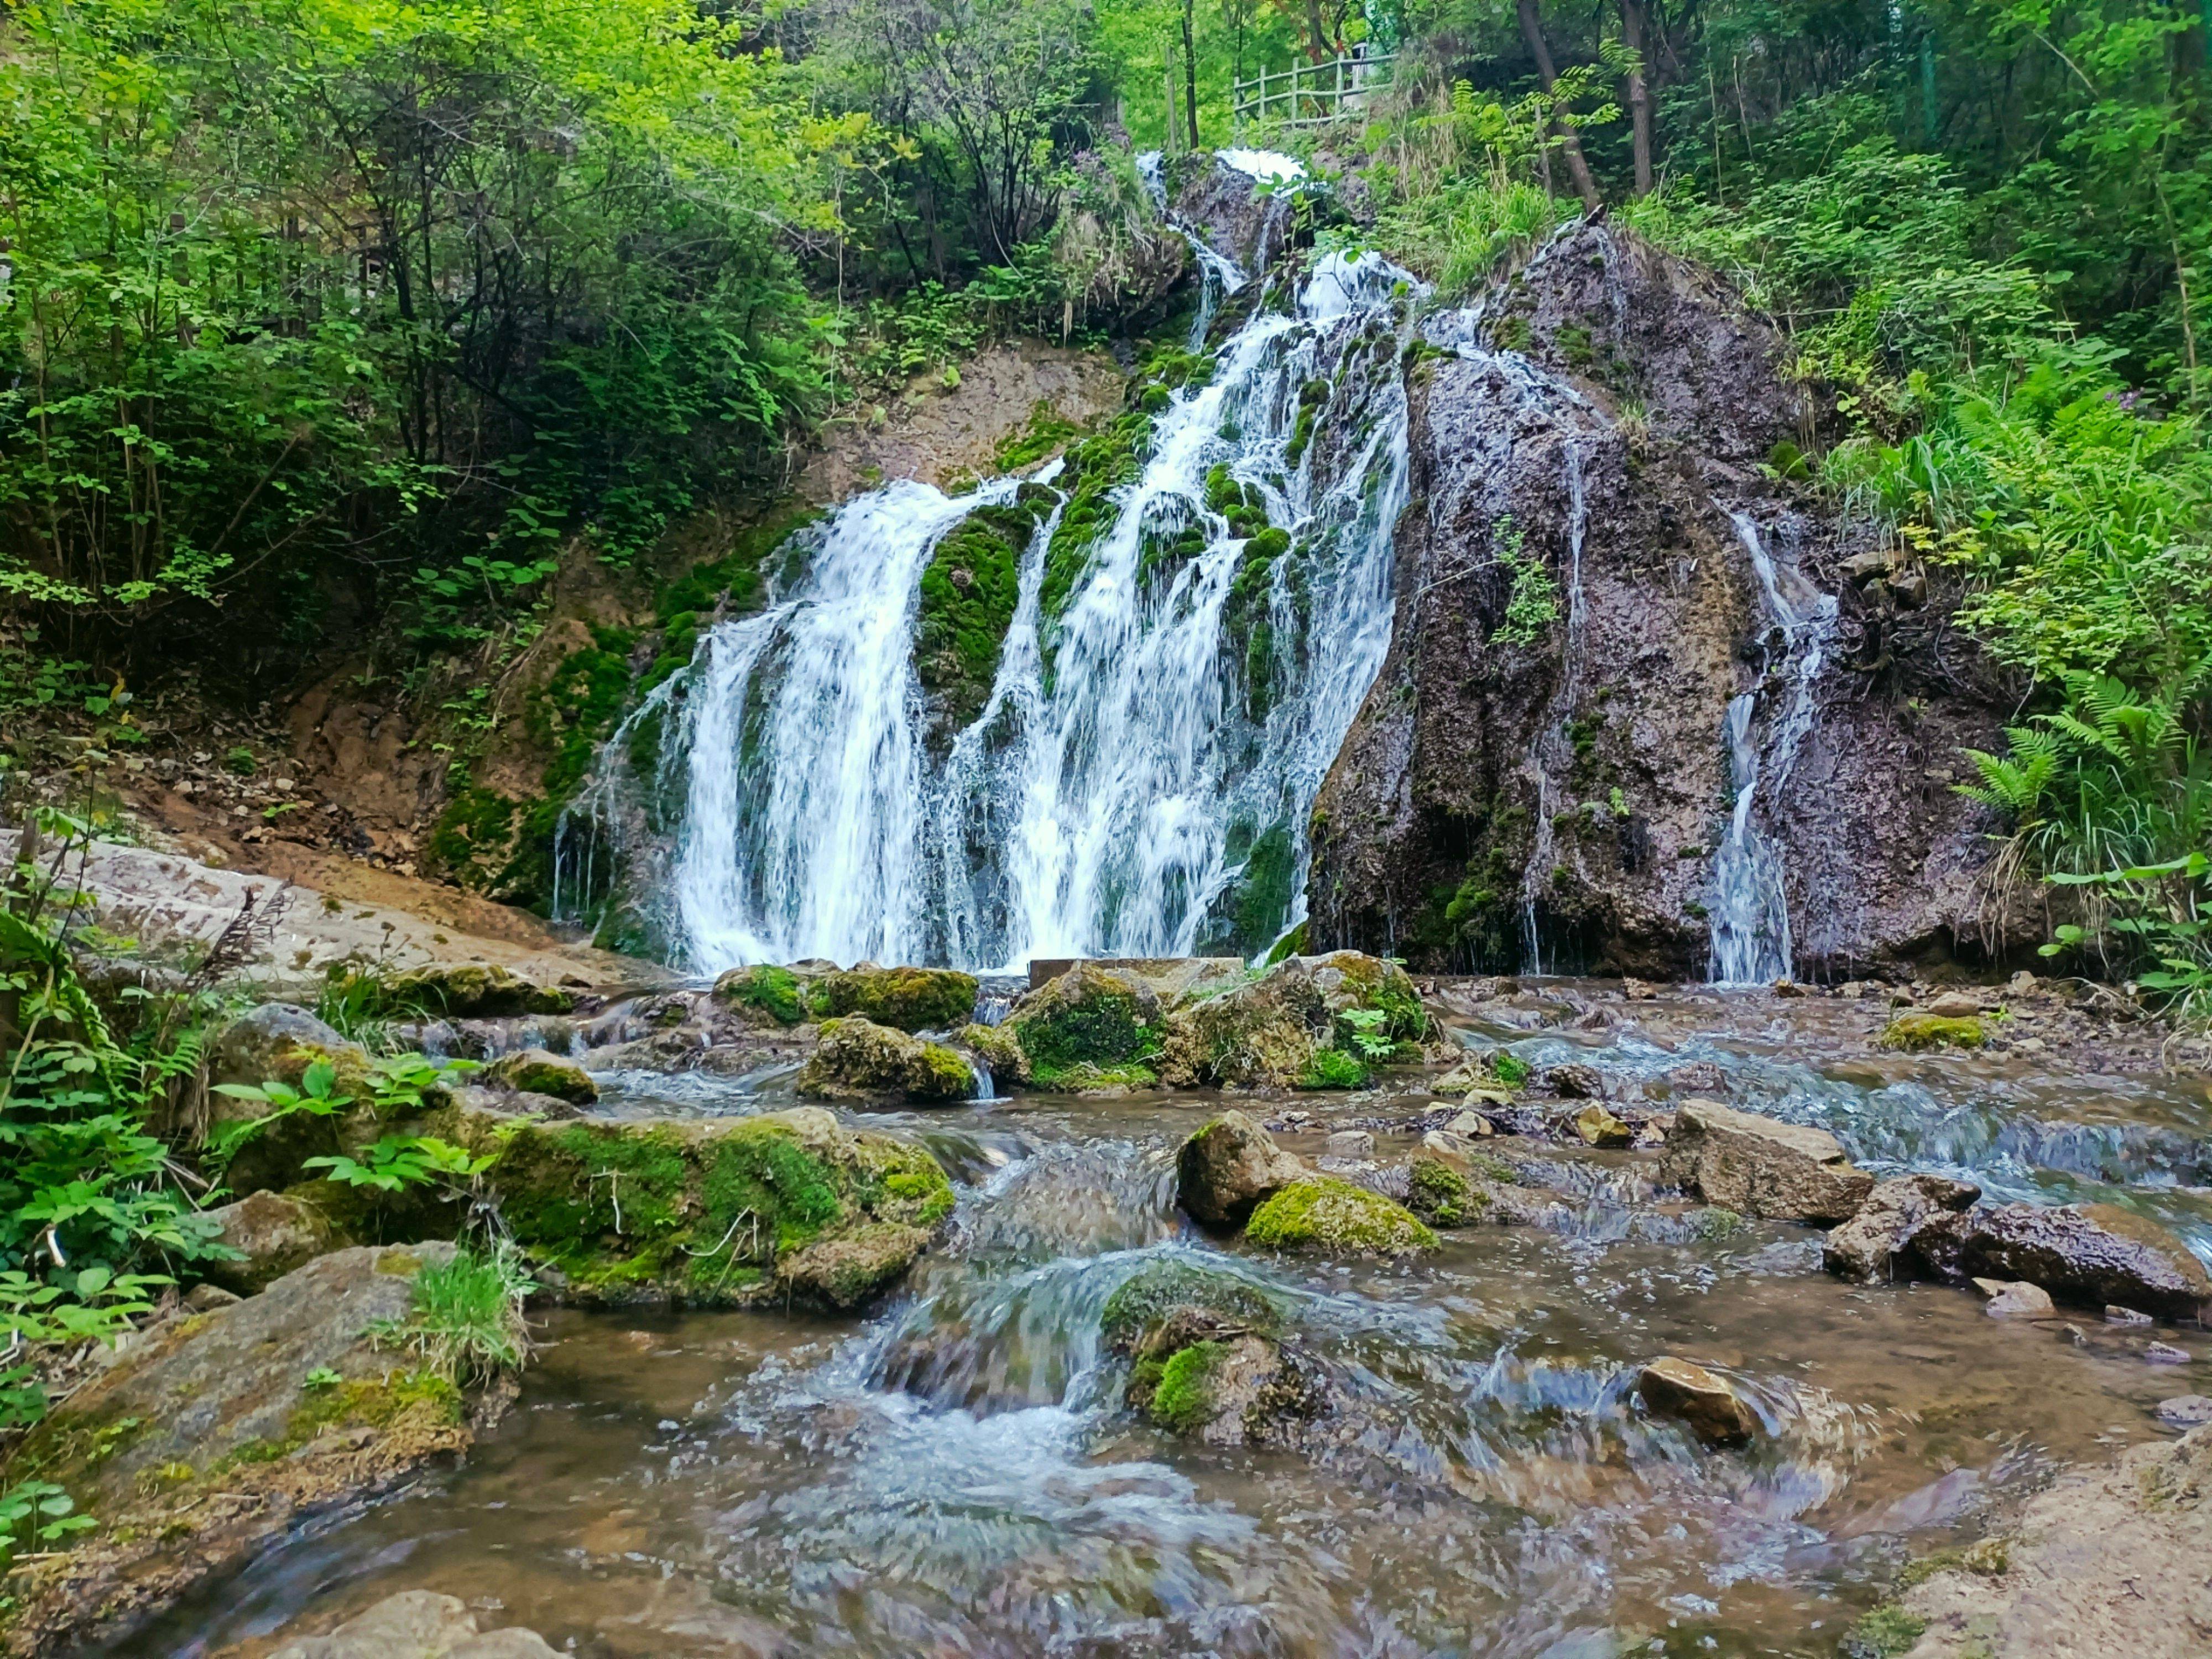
x=1439, y=1193
x=1574, y=345
x=1509, y=1069
x=1105, y=1029
x=1333, y=1068
x=1917, y=1033
x=1182, y=1401
x=1291, y=944
x=1312, y=397
x=1324, y=1213
x=968, y=593
x=1713, y=1224
x=774, y=991
x=906, y=998
x=1096, y=467
x=1141, y=1302
x=1251, y=910
x=1045, y=433
x=1887, y=1631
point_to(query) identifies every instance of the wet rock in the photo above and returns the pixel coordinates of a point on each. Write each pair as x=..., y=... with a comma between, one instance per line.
x=1321, y=1214
x=1352, y=1143
x=765, y=994
x=1472, y=1125
x=471, y=990
x=2092, y=1253
x=273, y=1234
x=2167, y=1353
x=1449, y=1182
x=1295, y=1026
x=1225, y=204
x=1594, y=1126
x=713, y=1213
x=1575, y=1082
x=1228, y=1169
x=2018, y=1301
x=417, y=1625
x=1696, y=1398
x=1090, y=1029
x=999, y=1050
x=1956, y=1005
x=2118, y=1316
x=1207, y=1360
x=1881, y=1238
x=218, y=1433
x=1758, y=1167
x=1915, y=1034
x=2185, y=1411
x=537, y=1072
x=861, y=1061
x=905, y=999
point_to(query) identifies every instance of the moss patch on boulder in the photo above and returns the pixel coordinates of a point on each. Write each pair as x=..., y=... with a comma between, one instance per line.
x=776, y=992
x=1091, y=1028
x=1276, y=1031
x=469, y=990
x=1143, y=1302
x=868, y=1064
x=1323, y=1213
x=709, y=1213
x=908, y=999
x=968, y=592
x=1916, y=1034
x=537, y=1071
x=999, y=1049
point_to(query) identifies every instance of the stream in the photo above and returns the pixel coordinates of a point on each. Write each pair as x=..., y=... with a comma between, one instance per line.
x=954, y=1474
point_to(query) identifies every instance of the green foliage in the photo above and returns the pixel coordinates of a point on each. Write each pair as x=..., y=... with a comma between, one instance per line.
x=1322, y=1212
x=1333, y=1068
x=1532, y=603
x=1182, y=1402
x=36, y=1514
x=466, y=1322
x=396, y=1162
x=969, y=589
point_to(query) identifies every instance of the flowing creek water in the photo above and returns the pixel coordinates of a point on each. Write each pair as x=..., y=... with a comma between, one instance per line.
x=954, y=1474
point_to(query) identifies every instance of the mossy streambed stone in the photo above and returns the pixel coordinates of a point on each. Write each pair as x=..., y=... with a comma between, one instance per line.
x=904, y=999
x=216, y=1432
x=1206, y=1358
x=861, y=1061
x=1308, y=1022
x=1090, y=1030
x=471, y=990
x=789, y=1205
x=1321, y=1214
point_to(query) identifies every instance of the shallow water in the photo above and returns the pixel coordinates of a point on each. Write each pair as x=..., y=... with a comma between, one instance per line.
x=954, y=1476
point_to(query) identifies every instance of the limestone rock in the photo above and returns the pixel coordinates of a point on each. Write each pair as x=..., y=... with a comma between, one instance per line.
x=1443, y=1185
x=1207, y=1363
x=1472, y=1125
x=273, y=1234
x=1229, y=1168
x=1594, y=1126
x=417, y=1625
x=2185, y=1411
x=1352, y=1143
x=2167, y=1353
x=851, y=1268
x=1757, y=1166
x=1693, y=1396
x=1091, y=1028
x=999, y=1050
x=230, y=1445
x=905, y=999
x=859, y=1061
x=539, y=1071
x=277, y=1042
x=767, y=996
x=1878, y=1240
x=1575, y=1082
x=1956, y=1005
x=1918, y=1033
x=471, y=990
x=1287, y=1029
x=1322, y=1214
x=2017, y=1301
x=2116, y=1314
x=2093, y=1254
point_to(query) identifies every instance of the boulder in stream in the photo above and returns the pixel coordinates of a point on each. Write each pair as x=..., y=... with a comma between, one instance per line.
x=1228, y=1169
x=2089, y=1254
x=999, y=1050
x=1693, y=1396
x=861, y=1061
x=471, y=990
x=418, y=1625
x=215, y=1433
x=1206, y=1358
x=539, y=1071
x=1308, y=1022
x=1757, y=1166
x=1322, y=1214
x=906, y=999
x=1090, y=1029
x=708, y=1213
x=1881, y=1238
x=272, y=1233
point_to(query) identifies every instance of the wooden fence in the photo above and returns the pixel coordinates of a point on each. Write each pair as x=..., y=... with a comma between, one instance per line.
x=1307, y=94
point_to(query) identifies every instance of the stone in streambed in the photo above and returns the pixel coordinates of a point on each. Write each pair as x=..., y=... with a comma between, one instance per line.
x=1228, y=1169
x=1758, y=1167
x=540, y=1072
x=2093, y=1254
x=1594, y=1126
x=1091, y=1028
x=1322, y=1214
x=1291, y=1028
x=2018, y=1301
x=418, y=1625
x=868, y=1064
x=1915, y=1034
x=471, y=990
x=1450, y=1183
x=1696, y=1398
x=1000, y=1052
x=2185, y=1411
x=905, y=999
x=273, y=1234
x=1879, y=1239
x=1207, y=1360
x=1352, y=1143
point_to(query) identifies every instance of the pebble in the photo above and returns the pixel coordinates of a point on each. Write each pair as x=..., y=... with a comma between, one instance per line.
x=1472, y=1125
x=2165, y=1353
x=2116, y=1314
x=1352, y=1143
x=2016, y=1301
x=1955, y=1004
x=2185, y=1411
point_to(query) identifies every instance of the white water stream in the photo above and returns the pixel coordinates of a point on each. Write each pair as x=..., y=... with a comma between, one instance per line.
x=1140, y=779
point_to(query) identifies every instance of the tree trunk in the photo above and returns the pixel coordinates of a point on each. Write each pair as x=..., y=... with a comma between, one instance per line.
x=1190, y=75
x=1532, y=30
x=1639, y=91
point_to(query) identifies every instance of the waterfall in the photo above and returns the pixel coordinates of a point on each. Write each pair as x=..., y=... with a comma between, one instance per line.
x=1749, y=910
x=1138, y=782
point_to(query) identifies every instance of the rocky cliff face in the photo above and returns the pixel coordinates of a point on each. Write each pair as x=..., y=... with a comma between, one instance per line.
x=1542, y=771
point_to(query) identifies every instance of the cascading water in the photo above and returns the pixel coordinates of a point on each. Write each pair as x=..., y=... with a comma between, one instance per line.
x=1137, y=781
x=1749, y=908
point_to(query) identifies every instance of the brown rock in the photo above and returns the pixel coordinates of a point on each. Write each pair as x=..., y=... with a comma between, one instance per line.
x=1879, y=1241
x=2014, y=1301
x=1575, y=1082
x=1956, y=1005
x=417, y=1625
x=1692, y=1395
x=1228, y=1169
x=1758, y=1167
x=2090, y=1253
x=1595, y=1127
x=273, y=1234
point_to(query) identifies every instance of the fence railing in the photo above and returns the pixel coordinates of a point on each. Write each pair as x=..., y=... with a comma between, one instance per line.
x=1307, y=94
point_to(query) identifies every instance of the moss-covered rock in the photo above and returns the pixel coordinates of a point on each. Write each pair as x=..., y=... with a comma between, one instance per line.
x=1206, y=1362
x=999, y=1049
x=271, y=1234
x=1323, y=1213
x=861, y=1061
x=1143, y=1302
x=1090, y=1028
x=277, y=1042
x=471, y=990
x=777, y=995
x=537, y=1071
x=968, y=591
x=716, y=1212
x=1917, y=1033
x=908, y=999
x=1272, y=1031
x=1229, y=1168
